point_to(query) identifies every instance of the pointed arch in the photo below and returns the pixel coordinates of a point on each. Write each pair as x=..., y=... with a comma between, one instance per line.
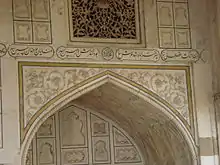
x=92, y=83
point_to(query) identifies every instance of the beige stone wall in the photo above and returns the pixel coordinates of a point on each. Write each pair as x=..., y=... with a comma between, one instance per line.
x=78, y=136
x=171, y=57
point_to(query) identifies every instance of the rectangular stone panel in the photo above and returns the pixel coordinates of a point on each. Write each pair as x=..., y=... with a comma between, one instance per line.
x=106, y=22
x=47, y=129
x=73, y=127
x=99, y=127
x=22, y=32
x=42, y=32
x=173, y=14
x=40, y=10
x=104, y=19
x=120, y=139
x=21, y=9
x=32, y=21
x=46, y=151
x=183, y=39
x=181, y=15
x=165, y=14
x=101, y=150
x=167, y=38
x=126, y=155
x=74, y=156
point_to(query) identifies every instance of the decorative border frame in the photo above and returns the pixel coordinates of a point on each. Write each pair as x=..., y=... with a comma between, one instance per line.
x=140, y=40
x=185, y=68
x=103, y=54
x=172, y=2
x=31, y=21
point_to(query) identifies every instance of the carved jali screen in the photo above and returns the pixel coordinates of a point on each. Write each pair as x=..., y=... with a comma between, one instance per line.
x=103, y=19
x=77, y=136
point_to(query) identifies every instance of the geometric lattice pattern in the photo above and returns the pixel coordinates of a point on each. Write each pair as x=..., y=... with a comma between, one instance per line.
x=75, y=136
x=173, y=24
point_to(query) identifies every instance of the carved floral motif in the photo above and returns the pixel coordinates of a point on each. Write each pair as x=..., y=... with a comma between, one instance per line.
x=41, y=84
x=107, y=53
x=99, y=126
x=216, y=96
x=3, y=49
x=77, y=156
x=29, y=158
x=104, y=19
x=47, y=128
x=127, y=154
x=120, y=139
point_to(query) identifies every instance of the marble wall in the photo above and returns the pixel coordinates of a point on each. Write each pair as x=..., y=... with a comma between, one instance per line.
x=164, y=49
x=77, y=136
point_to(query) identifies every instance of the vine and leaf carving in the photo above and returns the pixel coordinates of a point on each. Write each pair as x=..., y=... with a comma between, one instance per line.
x=104, y=19
x=42, y=84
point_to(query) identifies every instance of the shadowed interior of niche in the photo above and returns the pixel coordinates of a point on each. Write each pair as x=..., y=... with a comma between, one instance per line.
x=157, y=136
x=69, y=133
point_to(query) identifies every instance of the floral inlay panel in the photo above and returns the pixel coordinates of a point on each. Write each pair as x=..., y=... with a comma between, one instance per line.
x=41, y=84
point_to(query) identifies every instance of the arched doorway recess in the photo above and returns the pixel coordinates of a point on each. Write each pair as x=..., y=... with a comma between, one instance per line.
x=160, y=135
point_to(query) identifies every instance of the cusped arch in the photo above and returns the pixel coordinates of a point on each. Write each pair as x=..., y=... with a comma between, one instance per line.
x=106, y=77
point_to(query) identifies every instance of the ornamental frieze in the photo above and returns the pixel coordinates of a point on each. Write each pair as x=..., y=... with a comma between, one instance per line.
x=139, y=55
x=41, y=84
x=112, y=54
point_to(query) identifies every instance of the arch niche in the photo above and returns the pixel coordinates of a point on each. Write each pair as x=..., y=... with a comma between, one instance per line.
x=159, y=134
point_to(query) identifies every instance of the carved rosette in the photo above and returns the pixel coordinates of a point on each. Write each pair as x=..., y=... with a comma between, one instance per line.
x=41, y=84
x=3, y=49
